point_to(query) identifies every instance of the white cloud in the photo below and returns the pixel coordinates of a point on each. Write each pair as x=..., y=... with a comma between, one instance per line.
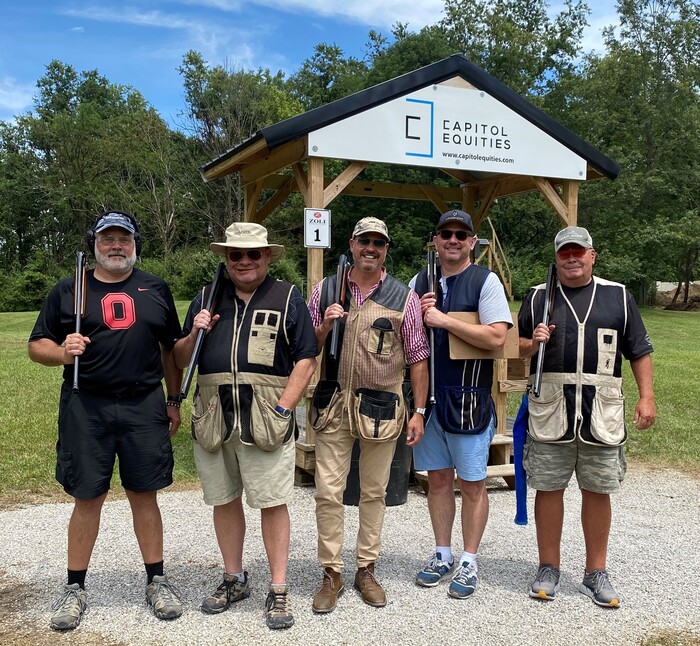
x=14, y=97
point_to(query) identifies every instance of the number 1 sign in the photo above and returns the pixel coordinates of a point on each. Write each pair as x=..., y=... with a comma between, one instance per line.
x=317, y=228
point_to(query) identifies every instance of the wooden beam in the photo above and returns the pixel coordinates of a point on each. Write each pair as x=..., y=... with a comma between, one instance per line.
x=336, y=186
x=302, y=182
x=570, y=196
x=551, y=195
x=462, y=176
x=432, y=194
x=274, y=161
x=485, y=205
x=234, y=163
x=251, y=197
x=279, y=196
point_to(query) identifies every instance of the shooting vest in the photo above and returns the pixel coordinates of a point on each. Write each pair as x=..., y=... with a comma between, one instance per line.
x=582, y=369
x=462, y=386
x=242, y=398
x=365, y=380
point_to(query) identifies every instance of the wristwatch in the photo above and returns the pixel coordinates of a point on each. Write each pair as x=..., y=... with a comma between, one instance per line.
x=420, y=411
x=285, y=412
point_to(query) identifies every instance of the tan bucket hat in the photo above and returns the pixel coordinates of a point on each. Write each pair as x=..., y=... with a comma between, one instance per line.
x=247, y=235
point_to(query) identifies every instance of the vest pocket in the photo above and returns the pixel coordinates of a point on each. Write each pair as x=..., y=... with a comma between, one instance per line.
x=547, y=414
x=209, y=428
x=262, y=338
x=463, y=410
x=607, y=351
x=326, y=411
x=269, y=428
x=608, y=416
x=381, y=336
x=378, y=415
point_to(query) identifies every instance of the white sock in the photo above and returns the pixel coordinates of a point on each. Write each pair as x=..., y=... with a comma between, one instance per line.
x=240, y=575
x=444, y=552
x=468, y=557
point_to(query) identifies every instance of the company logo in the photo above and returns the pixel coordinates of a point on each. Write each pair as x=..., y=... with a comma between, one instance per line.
x=142, y=289
x=419, y=127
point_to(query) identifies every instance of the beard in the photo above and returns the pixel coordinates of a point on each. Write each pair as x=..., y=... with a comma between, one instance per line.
x=114, y=262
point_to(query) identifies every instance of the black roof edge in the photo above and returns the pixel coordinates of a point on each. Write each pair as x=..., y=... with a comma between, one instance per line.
x=455, y=65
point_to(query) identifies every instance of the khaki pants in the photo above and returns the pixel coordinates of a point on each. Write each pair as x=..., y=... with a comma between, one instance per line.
x=333, y=455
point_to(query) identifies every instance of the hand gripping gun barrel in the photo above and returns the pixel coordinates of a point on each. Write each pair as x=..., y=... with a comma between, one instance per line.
x=211, y=299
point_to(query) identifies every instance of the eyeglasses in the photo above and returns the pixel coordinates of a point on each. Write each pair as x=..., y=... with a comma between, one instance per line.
x=379, y=243
x=446, y=234
x=237, y=256
x=110, y=240
x=571, y=250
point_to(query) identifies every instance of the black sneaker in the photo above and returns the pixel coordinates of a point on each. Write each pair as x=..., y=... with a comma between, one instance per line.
x=278, y=610
x=230, y=591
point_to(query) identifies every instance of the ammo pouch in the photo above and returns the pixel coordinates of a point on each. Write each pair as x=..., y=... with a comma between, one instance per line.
x=378, y=415
x=212, y=416
x=463, y=410
x=547, y=413
x=326, y=412
x=269, y=429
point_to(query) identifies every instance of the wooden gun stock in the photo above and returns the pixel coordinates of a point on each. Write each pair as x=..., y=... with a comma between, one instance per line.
x=79, y=298
x=549, y=291
x=216, y=284
x=341, y=276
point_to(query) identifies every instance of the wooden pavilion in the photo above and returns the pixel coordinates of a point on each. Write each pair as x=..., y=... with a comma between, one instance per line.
x=450, y=115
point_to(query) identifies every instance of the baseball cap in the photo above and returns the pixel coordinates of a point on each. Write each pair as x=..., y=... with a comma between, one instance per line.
x=456, y=217
x=573, y=235
x=115, y=219
x=371, y=225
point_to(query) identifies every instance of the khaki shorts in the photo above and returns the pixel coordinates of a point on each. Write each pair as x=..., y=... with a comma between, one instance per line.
x=267, y=477
x=549, y=465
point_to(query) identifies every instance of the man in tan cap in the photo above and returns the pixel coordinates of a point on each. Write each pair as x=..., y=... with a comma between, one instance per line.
x=255, y=363
x=361, y=397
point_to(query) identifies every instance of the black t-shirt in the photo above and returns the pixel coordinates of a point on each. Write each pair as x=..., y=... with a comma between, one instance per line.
x=126, y=323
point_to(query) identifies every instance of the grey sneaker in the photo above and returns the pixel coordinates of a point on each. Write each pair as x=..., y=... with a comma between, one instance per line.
x=464, y=581
x=164, y=598
x=278, y=610
x=597, y=586
x=546, y=583
x=230, y=591
x=434, y=571
x=69, y=607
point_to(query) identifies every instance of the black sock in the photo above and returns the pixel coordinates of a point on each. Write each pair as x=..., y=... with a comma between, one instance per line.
x=153, y=569
x=77, y=576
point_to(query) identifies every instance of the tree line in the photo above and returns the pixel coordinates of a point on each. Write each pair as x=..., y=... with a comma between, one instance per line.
x=89, y=145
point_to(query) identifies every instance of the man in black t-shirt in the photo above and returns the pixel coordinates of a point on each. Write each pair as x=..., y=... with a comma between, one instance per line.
x=576, y=424
x=125, y=347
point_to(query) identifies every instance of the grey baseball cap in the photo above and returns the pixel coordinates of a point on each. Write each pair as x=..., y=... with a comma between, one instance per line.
x=115, y=219
x=573, y=235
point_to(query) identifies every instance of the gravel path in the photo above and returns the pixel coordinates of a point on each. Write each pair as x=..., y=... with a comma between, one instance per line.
x=654, y=562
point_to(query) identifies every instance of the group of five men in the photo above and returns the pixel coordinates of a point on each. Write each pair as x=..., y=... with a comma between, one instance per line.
x=259, y=353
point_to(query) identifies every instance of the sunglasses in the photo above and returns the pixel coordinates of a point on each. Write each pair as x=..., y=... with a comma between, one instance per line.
x=379, y=243
x=237, y=256
x=574, y=250
x=446, y=234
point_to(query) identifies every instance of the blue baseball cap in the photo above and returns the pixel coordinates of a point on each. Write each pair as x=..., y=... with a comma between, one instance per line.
x=115, y=219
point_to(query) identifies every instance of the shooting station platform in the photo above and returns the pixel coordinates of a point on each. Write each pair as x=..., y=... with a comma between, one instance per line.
x=488, y=142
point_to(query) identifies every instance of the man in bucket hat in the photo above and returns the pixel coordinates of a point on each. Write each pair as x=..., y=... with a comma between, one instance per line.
x=255, y=363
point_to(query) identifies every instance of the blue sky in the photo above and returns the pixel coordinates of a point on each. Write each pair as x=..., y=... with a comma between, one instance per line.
x=141, y=42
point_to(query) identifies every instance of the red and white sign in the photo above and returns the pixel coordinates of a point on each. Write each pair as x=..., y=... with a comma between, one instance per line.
x=317, y=228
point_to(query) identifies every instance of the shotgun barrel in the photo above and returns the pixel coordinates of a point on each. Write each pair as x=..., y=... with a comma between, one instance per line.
x=216, y=284
x=432, y=286
x=549, y=291
x=338, y=297
x=79, y=297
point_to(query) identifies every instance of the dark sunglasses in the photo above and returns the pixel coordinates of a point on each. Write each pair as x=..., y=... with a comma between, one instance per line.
x=379, y=243
x=446, y=234
x=237, y=256
x=574, y=250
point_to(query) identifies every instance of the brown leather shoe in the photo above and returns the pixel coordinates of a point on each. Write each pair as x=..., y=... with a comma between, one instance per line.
x=331, y=588
x=371, y=590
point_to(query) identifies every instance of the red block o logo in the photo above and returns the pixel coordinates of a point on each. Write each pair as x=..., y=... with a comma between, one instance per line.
x=118, y=311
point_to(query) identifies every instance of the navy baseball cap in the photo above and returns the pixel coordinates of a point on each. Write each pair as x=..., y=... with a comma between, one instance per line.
x=115, y=219
x=456, y=217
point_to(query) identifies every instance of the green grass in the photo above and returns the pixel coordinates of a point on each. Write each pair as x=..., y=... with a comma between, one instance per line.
x=30, y=401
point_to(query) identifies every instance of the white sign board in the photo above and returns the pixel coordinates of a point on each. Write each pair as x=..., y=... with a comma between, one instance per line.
x=317, y=228
x=444, y=126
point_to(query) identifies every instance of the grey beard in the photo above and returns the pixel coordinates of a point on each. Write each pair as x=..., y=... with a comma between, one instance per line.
x=116, y=264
